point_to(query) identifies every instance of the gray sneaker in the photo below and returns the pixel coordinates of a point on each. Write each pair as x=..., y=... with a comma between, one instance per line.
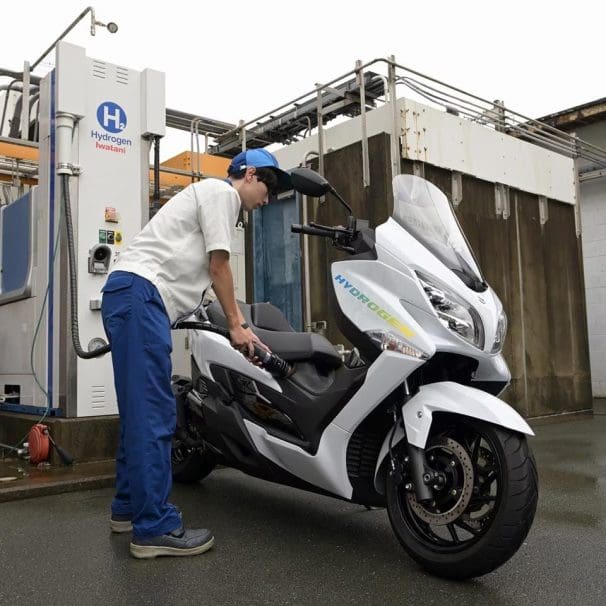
x=179, y=542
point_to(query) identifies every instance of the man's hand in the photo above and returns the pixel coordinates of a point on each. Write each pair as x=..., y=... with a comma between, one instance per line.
x=244, y=340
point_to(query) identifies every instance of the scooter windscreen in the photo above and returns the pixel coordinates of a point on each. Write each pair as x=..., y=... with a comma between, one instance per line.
x=425, y=213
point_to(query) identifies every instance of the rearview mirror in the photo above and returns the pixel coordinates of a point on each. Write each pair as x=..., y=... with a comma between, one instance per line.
x=309, y=182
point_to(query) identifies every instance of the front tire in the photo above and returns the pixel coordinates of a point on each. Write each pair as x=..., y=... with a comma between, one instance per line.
x=483, y=506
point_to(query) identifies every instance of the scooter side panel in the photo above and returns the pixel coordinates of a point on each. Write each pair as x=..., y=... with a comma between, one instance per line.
x=326, y=469
x=387, y=372
x=369, y=293
x=210, y=348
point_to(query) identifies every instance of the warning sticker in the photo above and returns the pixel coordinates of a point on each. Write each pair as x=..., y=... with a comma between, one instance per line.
x=111, y=216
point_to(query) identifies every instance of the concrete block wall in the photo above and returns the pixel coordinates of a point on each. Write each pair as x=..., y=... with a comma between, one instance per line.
x=593, y=220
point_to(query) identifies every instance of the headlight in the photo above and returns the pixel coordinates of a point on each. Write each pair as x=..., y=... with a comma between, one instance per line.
x=499, y=338
x=454, y=313
x=388, y=341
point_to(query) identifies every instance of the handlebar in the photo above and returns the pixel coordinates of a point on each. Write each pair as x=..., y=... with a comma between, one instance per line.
x=271, y=362
x=341, y=236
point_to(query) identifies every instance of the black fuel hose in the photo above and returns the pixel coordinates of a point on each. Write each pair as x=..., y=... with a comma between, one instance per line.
x=73, y=280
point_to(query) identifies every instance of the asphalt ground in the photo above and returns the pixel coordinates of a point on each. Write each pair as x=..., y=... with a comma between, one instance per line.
x=277, y=545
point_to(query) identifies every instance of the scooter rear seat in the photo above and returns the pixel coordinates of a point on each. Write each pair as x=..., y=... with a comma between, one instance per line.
x=272, y=327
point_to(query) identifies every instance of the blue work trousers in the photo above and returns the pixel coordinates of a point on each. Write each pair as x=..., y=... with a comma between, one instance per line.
x=138, y=329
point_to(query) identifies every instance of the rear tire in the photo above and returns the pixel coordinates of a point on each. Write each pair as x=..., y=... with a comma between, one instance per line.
x=492, y=508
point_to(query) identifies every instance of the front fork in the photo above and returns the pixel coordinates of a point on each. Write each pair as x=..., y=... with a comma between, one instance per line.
x=421, y=474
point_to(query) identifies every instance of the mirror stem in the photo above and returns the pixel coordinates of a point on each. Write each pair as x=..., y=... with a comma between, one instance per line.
x=334, y=192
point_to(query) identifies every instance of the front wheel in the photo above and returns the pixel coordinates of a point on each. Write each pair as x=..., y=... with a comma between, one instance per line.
x=484, y=499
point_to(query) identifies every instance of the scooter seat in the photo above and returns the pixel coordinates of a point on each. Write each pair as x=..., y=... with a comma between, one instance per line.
x=272, y=327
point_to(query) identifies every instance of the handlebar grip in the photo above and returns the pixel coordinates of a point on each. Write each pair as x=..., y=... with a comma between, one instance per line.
x=311, y=231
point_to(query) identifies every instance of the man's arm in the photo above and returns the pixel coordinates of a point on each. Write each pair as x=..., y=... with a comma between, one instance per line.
x=223, y=285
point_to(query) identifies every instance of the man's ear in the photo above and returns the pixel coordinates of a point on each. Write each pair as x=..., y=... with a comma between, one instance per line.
x=250, y=171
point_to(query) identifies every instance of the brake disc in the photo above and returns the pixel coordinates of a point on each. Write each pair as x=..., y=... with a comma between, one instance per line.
x=465, y=473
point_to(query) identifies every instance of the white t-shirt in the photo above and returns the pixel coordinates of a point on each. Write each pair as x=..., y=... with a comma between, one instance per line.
x=172, y=250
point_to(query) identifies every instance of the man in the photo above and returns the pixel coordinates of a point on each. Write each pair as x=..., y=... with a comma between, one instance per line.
x=160, y=278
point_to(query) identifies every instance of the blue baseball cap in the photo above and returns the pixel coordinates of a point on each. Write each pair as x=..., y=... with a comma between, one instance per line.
x=260, y=158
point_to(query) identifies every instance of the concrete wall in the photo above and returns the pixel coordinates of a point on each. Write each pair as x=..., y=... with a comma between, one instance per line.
x=535, y=269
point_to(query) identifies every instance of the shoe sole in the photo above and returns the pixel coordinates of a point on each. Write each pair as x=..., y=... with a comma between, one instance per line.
x=120, y=527
x=143, y=552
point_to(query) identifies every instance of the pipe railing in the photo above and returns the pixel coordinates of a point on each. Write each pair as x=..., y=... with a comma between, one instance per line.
x=448, y=97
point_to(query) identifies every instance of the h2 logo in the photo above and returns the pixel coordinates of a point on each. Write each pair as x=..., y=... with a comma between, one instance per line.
x=111, y=117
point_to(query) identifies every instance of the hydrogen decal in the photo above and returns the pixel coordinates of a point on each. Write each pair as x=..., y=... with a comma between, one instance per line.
x=374, y=307
x=112, y=119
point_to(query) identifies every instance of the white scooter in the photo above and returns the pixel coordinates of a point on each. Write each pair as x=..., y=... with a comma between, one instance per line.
x=407, y=419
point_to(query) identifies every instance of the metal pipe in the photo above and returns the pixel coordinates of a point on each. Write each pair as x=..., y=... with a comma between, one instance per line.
x=64, y=127
x=243, y=134
x=320, y=135
x=24, y=169
x=284, y=105
x=392, y=65
x=365, y=158
x=17, y=76
x=306, y=273
x=8, y=90
x=308, y=130
x=395, y=130
x=25, y=103
x=18, y=142
x=194, y=131
x=177, y=171
x=197, y=152
x=88, y=9
x=529, y=121
x=156, y=200
x=577, y=203
x=385, y=87
x=536, y=131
